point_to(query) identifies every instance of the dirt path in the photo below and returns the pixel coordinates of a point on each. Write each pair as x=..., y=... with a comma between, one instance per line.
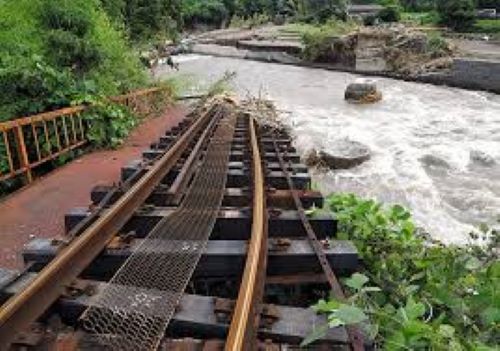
x=38, y=211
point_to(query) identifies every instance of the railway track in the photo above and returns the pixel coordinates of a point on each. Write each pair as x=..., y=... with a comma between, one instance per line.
x=204, y=244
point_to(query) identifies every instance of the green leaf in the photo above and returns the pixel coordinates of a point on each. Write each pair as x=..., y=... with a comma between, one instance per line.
x=446, y=331
x=316, y=334
x=350, y=314
x=414, y=310
x=411, y=289
x=324, y=306
x=334, y=322
x=491, y=315
x=472, y=263
x=311, y=212
x=357, y=281
x=371, y=289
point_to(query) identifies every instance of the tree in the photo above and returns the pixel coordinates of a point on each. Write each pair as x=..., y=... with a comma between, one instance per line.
x=211, y=12
x=457, y=14
x=149, y=18
x=489, y=4
x=114, y=9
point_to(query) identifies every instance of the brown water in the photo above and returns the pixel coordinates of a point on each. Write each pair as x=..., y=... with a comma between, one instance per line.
x=435, y=149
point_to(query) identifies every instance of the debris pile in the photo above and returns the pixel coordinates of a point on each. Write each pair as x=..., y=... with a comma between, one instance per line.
x=404, y=50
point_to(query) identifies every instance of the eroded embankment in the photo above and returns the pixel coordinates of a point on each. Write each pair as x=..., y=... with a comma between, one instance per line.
x=398, y=53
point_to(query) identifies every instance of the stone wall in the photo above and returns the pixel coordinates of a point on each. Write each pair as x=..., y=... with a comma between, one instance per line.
x=468, y=73
x=477, y=74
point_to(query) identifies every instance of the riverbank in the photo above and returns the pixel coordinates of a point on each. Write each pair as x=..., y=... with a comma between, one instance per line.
x=469, y=70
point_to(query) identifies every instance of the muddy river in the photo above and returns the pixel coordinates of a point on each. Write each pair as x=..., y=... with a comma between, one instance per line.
x=434, y=149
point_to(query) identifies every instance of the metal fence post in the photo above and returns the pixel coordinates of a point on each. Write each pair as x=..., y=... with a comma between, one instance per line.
x=23, y=154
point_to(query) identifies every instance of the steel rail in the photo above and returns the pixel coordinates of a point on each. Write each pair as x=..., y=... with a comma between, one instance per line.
x=25, y=307
x=242, y=334
x=353, y=332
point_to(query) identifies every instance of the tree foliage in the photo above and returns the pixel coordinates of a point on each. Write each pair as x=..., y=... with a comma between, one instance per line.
x=457, y=14
x=210, y=12
x=55, y=50
x=491, y=4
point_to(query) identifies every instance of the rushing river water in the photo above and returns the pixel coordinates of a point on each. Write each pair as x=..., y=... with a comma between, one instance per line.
x=434, y=149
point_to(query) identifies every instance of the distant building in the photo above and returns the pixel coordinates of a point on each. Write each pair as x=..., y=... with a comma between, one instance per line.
x=487, y=13
x=364, y=10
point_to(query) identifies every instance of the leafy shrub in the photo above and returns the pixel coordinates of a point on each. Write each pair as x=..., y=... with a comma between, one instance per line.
x=253, y=21
x=115, y=9
x=71, y=51
x=390, y=14
x=109, y=124
x=212, y=12
x=492, y=4
x=31, y=85
x=418, y=5
x=421, y=18
x=152, y=19
x=457, y=14
x=63, y=16
x=370, y=20
x=415, y=294
x=437, y=45
x=317, y=40
x=487, y=26
x=54, y=50
x=237, y=22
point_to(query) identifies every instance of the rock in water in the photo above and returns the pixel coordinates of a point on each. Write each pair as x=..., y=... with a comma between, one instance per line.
x=362, y=93
x=481, y=158
x=346, y=154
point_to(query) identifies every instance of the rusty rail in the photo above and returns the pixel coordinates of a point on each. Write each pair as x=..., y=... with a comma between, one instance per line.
x=354, y=333
x=245, y=322
x=26, y=143
x=25, y=307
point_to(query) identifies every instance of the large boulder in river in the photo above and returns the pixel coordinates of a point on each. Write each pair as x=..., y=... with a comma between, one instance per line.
x=346, y=154
x=362, y=93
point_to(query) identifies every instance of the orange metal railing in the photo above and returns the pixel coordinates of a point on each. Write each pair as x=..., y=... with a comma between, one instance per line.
x=28, y=142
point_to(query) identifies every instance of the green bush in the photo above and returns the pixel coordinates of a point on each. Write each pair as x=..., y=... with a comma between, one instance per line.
x=55, y=50
x=457, y=14
x=487, y=26
x=370, y=20
x=317, y=40
x=212, y=12
x=64, y=16
x=390, y=14
x=437, y=45
x=421, y=18
x=414, y=294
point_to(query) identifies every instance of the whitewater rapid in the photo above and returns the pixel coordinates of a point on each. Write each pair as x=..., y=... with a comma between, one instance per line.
x=434, y=149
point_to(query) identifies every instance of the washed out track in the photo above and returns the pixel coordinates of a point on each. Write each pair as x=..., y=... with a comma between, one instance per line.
x=204, y=244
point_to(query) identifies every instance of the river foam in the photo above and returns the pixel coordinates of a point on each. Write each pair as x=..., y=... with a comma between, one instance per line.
x=434, y=149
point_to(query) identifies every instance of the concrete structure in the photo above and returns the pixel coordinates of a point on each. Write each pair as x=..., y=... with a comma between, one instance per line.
x=476, y=74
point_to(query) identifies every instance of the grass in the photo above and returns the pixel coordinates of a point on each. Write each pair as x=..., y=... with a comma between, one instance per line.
x=430, y=18
x=487, y=26
x=330, y=28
